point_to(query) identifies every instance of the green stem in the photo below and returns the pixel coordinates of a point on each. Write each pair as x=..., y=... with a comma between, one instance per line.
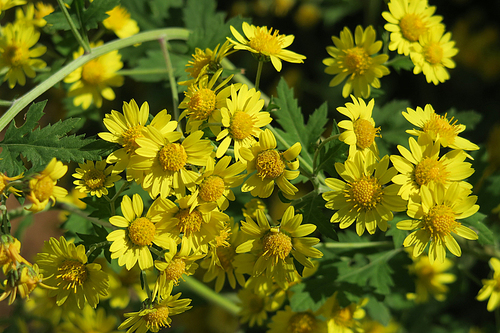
x=146, y=285
x=360, y=245
x=73, y=28
x=226, y=63
x=321, y=145
x=259, y=72
x=75, y=210
x=96, y=246
x=5, y=103
x=142, y=71
x=21, y=103
x=303, y=198
x=171, y=78
x=210, y=295
x=158, y=253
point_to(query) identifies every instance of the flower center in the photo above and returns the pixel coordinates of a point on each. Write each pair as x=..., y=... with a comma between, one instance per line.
x=94, y=179
x=221, y=239
x=73, y=272
x=157, y=319
x=142, y=231
x=226, y=256
x=433, y=53
x=430, y=169
x=43, y=188
x=365, y=133
x=93, y=72
x=256, y=304
x=357, y=60
x=266, y=42
x=412, y=27
x=16, y=55
x=366, y=193
x=129, y=137
x=212, y=188
x=172, y=157
x=118, y=16
x=439, y=125
x=269, y=164
x=241, y=125
x=302, y=322
x=189, y=222
x=440, y=220
x=202, y=104
x=277, y=244
x=175, y=269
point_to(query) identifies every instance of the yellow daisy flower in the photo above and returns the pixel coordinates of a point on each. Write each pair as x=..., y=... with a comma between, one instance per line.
x=271, y=166
x=157, y=316
x=407, y=21
x=17, y=54
x=75, y=281
x=87, y=321
x=120, y=22
x=422, y=165
x=438, y=128
x=276, y=245
x=242, y=119
x=354, y=58
x=7, y=4
x=131, y=244
x=435, y=219
x=360, y=131
x=93, y=81
x=431, y=279
x=345, y=320
x=6, y=188
x=490, y=287
x=363, y=197
x=95, y=179
x=42, y=10
x=43, y=187
x=266, y=44
x=254, y=307
x=34, y=17
x=168, y=165
x=432, y=55
x=9, y=253
x=21, y=280
x=288, y=321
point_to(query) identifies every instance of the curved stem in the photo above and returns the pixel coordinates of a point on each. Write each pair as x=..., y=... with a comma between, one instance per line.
x=171, y=78
x=210, y=295
x=259, y=72
x=96, y=246
x=21, y=103
x=73, y=28
x=321, y=145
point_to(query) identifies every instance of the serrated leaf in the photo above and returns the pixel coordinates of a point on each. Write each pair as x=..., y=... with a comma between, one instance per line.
x=485, y=235
x=378, y=311
x=468, y=118
x=96, y=12
x=306, y=297
x=332, y=152
x=312, y=211
x=57, y=21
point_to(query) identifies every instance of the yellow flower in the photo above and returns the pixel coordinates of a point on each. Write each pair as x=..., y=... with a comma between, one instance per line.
x=73, y=279
x=43, y=186
x=430, y=279
x=17, y=54
x=275, y=246
x=32, y=17
x=254, y=307
x=266, y=44
x=432, y=55
x=407, y=21
x=88, y=321
x=421, y=165
x=95, y=179
x=242, y=119
x=271, y=166
x=120, y=22
x=4, y=182
x=93, y=81
x=22, y=280
x=43, y=306
x=364, y=196
x=137, y=233
x=343, y=320
x=353, y=58
x=251, y=208
x=490, y=287
x=7, y=4
x=435, y=219
x=438, y=128
x=157, y=316
x=288, y=321
x=360, y=132
x=9, y=253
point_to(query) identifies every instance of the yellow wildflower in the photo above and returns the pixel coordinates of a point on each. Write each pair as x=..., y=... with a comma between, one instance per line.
x=120, y=22
x=95, y=179
x=43, y=186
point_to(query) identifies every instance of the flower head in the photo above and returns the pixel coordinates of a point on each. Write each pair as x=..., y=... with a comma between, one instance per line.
x=9, y=253
x=4, y=182
x=88, y=320
x=7, y=4
x=353, y=58
x=17, y=54
x=266, y=44
x=345, y=320
x=120, y=22
x=206, y=62
x=95, y=179
x=93, y=81
x=254, y=307
x=23, y=279
x=33, y=14
x=288, y=321
x=43, y=186
x=490, y=287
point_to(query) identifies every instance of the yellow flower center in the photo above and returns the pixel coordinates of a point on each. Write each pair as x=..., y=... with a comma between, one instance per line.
x=221, y=240
x=440, y=220
x=93, y=72
x=365, y=133
x=344, y=317
x=269, y=164
x=129, y=137
x=266, y=42
x=255, y=304
x=43, y=188
x=200, y=60
x=302, y=322
x=226, y=256
x=365, y=193
x=118, y=16
x=175, y=269
x=16, y=55
x=433, y=53
x=212, y=188
x=412, y=27
x=172, y=157
x=202, y=104
x=157, y=319
x=430, y=169
x=439, y=125
x=189, y=222
x=94, y=179
x=357, y=60
x=142, y=231
x=277, y=244
x=73, y=272
x=241, y=125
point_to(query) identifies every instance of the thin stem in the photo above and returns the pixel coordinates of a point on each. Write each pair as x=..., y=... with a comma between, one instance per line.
x=360, y=245
x=226, y=63
x=155, y=251
x=73, y=28
x=171, y=78
x=259, y=72
x=321, y=145
x=5, y=103
x=96, y=246
x=21, y=103
x=304, y=198
x=146, y=285
x=142, y=71
x=117, y=194
x=75, y=210
x=210, y=295
x=209, y=124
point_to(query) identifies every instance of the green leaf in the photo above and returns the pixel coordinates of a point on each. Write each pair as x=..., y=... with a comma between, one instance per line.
x=57, y=21
x=468, y=118
x=486, y=236
x=392, y=125
x=401, y=62
x=332, y=152
x=398, y=236
x=96, y=12
x=378, y=311
x=98, y=235
x=312, y=209
x=307, y=297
